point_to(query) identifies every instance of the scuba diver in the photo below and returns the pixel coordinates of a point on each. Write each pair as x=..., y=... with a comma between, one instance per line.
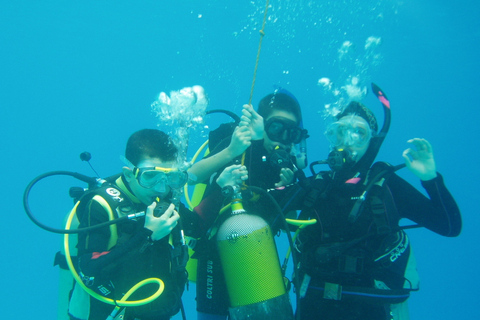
x=112, y=259
x=264, y=143
x=356, y=262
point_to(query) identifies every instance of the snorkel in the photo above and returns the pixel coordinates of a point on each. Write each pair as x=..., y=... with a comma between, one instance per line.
x=376, y=141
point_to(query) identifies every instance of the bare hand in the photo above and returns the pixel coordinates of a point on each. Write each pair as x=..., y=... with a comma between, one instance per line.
x=251, y=119
x=233, y=175
x=241, y=140
x=420, y=160
x=163, y=225
x=286, y=177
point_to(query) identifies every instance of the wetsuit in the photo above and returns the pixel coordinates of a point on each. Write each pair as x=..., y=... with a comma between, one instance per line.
x=358, y=266
x=212, y=296
x=113, y=268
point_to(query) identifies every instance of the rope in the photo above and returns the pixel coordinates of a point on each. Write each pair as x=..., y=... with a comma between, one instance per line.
x=262, y=34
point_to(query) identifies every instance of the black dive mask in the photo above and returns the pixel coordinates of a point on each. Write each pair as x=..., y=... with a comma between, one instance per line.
x=284, y=130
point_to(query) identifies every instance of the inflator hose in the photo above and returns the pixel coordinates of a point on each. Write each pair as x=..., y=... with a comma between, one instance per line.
x=90, y=180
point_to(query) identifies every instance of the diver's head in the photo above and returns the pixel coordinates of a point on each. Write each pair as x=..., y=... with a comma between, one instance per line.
x=362, y=111
x=152, y=168
x=279, y=101
x=282, y=116
x=353, y=130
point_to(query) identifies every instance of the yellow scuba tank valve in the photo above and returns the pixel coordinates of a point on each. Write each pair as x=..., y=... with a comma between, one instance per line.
x=251, y=266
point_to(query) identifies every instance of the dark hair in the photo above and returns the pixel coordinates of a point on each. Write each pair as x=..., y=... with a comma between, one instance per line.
x=279, y=101
x=362, y=111
x=150, y=143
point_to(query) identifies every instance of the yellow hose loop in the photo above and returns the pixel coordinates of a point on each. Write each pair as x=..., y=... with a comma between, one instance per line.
x=187, y=196
x=185, y=187
x=119, y=303
x=198, y=152
x=301, y=223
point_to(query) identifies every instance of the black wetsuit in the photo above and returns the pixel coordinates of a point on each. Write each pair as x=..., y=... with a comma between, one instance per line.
x=352, y=258
x=133, y=258
x=212, y=295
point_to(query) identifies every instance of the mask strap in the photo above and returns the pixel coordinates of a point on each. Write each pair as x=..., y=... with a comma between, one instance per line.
x=127, y=162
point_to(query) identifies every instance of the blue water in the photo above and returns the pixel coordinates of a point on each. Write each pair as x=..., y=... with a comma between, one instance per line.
x=81, y=75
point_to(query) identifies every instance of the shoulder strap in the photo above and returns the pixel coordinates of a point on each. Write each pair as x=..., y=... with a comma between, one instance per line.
x=379, y=211
x=114, y=201
x=317, y=187
x=113, y=227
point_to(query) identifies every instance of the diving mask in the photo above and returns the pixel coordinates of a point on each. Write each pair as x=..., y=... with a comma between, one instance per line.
x=284, y=130
x=350, y=130
x=150, y=177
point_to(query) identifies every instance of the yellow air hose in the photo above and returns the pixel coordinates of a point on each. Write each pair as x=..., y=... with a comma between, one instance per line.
x=192, y=205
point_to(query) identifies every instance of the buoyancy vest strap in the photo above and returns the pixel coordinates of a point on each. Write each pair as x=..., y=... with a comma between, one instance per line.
x=113, y=227
x=334, y=291
x=379, y=215
x=318, y=187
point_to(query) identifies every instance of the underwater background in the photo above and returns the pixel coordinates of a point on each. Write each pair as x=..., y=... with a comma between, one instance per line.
x=81, y=76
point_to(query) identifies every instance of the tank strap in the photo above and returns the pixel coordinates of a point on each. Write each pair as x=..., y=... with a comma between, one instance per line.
x=318, y=187
x=315, y=189
x=379, y=215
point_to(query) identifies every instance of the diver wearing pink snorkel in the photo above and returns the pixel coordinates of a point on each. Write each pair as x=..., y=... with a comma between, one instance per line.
x=356, y=261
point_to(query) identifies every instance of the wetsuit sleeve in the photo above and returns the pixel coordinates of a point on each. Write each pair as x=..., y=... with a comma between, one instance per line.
x=208, y=209
x=438, y=212
x=219, y=138
x=96, y=261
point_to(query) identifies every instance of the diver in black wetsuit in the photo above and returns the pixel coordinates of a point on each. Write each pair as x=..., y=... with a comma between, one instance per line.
x=113, y=259
x=355, y=261
x=272, y=132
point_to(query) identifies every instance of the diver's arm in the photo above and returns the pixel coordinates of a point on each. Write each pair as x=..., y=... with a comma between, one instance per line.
x=203, y=170
x=208, y=209
x=446, y=205
x=438, y=213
